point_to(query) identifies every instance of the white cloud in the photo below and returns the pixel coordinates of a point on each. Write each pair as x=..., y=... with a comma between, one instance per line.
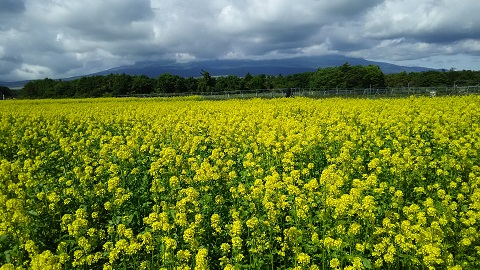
x=429, y=20
x=32, y=71
x=318, y=49
x=183, y=57
x=471, y=46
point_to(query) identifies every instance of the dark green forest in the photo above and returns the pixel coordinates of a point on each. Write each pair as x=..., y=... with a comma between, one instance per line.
x=342, y=77
x=6, y=92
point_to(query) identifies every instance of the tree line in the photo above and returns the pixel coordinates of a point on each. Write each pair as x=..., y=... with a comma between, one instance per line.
x=342, y=77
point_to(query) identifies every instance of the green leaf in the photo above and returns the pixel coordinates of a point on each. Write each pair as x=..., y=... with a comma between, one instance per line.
x=366, y=263
x=8, y=256
x=3, y=238
x=33, y=213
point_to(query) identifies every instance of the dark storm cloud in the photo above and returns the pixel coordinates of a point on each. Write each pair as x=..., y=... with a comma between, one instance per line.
x=11, y=6
x=7, y=64
x=101, y=20
x=61, y=38
x=349, y=9
x=12, y=59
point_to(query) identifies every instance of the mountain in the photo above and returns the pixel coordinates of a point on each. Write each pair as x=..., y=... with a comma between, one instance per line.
x=239, y=68
x=14, y=85
x=223, y=67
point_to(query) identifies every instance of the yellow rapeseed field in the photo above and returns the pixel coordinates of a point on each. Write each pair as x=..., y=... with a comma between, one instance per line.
x=240, y=184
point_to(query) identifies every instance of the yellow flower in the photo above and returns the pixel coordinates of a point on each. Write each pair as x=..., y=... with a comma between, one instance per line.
x=201, y=262
x=215, y=223
x=229, y=267
x=174, y=181
x=225, y=248
x=108, y=206
x=188, y=235
x=252, y=222
x=7, y=266
x=329, y=242
x=183, y=255
x=357, y=263
x=354, y=228
x=237, y=242
x=303, y=259
x=46, y=260
x=334, y=263
x=236, y=228
x=360, y=247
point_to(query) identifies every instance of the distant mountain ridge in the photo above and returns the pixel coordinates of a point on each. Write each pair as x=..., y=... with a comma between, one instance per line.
x=238, y=67
x=14, y=85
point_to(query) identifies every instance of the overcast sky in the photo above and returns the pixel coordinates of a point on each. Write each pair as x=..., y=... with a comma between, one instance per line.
x=62, y=38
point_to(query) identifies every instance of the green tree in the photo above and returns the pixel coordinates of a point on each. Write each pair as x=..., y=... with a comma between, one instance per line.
x=122, y=84
x=191, y=84
x=327, y=78
x=206, y=83
x=39, y=89
x=142, y=84
x=257, y=82
x=228, y=83
x=352, y=76
x=279, y=81
x=401, y=79
x=91, y=86
x=180, y=84
x=432, y=78
x=5, y=92
x=166, y=83
x=270, y=82
x=246, y=80
x=301, y=80
x=373, y=76
x=63, y=89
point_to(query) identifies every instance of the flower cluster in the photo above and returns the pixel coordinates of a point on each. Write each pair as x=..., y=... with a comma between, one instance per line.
x=253, y=184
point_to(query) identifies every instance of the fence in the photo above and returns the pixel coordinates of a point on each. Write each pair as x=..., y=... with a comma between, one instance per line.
x=320, y=92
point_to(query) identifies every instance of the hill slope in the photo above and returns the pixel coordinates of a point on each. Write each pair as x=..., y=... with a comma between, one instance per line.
x=255, y=67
